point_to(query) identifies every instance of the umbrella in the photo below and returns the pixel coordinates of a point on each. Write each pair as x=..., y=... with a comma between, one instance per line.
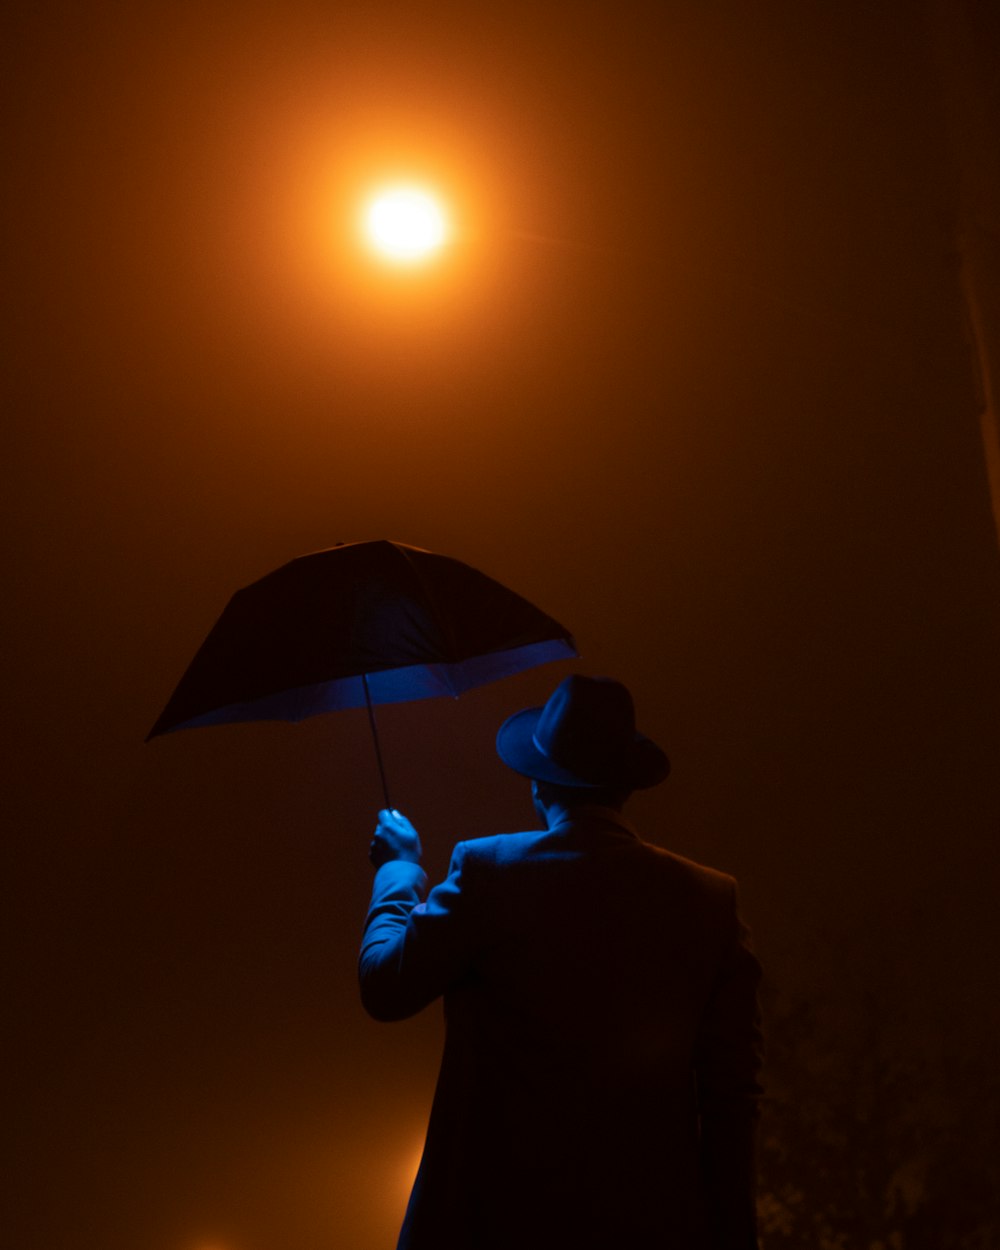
x=359, y=624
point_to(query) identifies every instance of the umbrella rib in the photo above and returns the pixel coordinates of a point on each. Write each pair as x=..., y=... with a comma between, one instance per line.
x=443, y=624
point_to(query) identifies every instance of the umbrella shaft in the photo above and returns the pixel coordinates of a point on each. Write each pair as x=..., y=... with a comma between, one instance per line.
x=378, y=749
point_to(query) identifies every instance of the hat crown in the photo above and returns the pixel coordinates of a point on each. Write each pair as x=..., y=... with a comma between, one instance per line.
x=587, y=726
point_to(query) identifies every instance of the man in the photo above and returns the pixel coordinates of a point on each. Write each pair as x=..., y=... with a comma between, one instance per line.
x=599, y=1084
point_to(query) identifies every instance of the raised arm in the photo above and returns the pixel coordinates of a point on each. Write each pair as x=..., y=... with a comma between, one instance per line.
x=412, y=951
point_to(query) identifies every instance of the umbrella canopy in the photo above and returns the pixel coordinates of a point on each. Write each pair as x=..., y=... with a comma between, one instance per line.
x=372, y=622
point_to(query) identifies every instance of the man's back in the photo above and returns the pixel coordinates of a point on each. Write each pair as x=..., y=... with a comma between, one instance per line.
x=600, y=1067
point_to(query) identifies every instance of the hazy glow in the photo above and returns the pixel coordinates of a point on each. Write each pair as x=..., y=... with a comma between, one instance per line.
x=406, y=224
x=408, y=1173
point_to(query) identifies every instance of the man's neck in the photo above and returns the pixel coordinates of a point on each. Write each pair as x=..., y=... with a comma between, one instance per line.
x=558, y=814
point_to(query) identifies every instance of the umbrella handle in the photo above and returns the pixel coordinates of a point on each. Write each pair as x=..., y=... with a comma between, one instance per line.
x=378, y=749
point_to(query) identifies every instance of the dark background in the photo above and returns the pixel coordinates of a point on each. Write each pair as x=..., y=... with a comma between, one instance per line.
x=699, y=376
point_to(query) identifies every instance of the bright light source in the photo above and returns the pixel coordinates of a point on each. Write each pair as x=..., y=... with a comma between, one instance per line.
x=406, y=224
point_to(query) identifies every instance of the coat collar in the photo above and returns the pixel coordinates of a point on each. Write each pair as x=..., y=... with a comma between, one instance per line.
x=592, y=814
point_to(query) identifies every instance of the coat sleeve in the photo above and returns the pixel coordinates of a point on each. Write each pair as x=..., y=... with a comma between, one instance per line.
x=728, y=1060
x=413, y=951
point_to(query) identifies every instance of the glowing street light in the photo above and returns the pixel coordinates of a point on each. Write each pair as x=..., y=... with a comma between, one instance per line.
x=405, y=224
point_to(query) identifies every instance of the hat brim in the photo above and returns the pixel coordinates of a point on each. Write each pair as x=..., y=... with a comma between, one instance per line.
x=646, y=764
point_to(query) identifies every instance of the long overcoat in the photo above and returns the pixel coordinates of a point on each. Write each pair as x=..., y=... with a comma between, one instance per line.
x=599, y=1084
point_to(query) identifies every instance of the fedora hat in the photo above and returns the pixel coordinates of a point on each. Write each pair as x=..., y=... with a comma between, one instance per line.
x=584, y=736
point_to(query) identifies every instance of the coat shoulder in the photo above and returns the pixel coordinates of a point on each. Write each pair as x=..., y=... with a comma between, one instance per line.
x=704, y=886
x=498, y=848
x=711, y=878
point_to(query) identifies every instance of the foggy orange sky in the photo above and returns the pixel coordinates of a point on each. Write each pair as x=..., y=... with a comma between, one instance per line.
x=694, y=377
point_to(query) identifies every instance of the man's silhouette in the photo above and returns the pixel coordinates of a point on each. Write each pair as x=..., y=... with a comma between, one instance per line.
x=599, y=1084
